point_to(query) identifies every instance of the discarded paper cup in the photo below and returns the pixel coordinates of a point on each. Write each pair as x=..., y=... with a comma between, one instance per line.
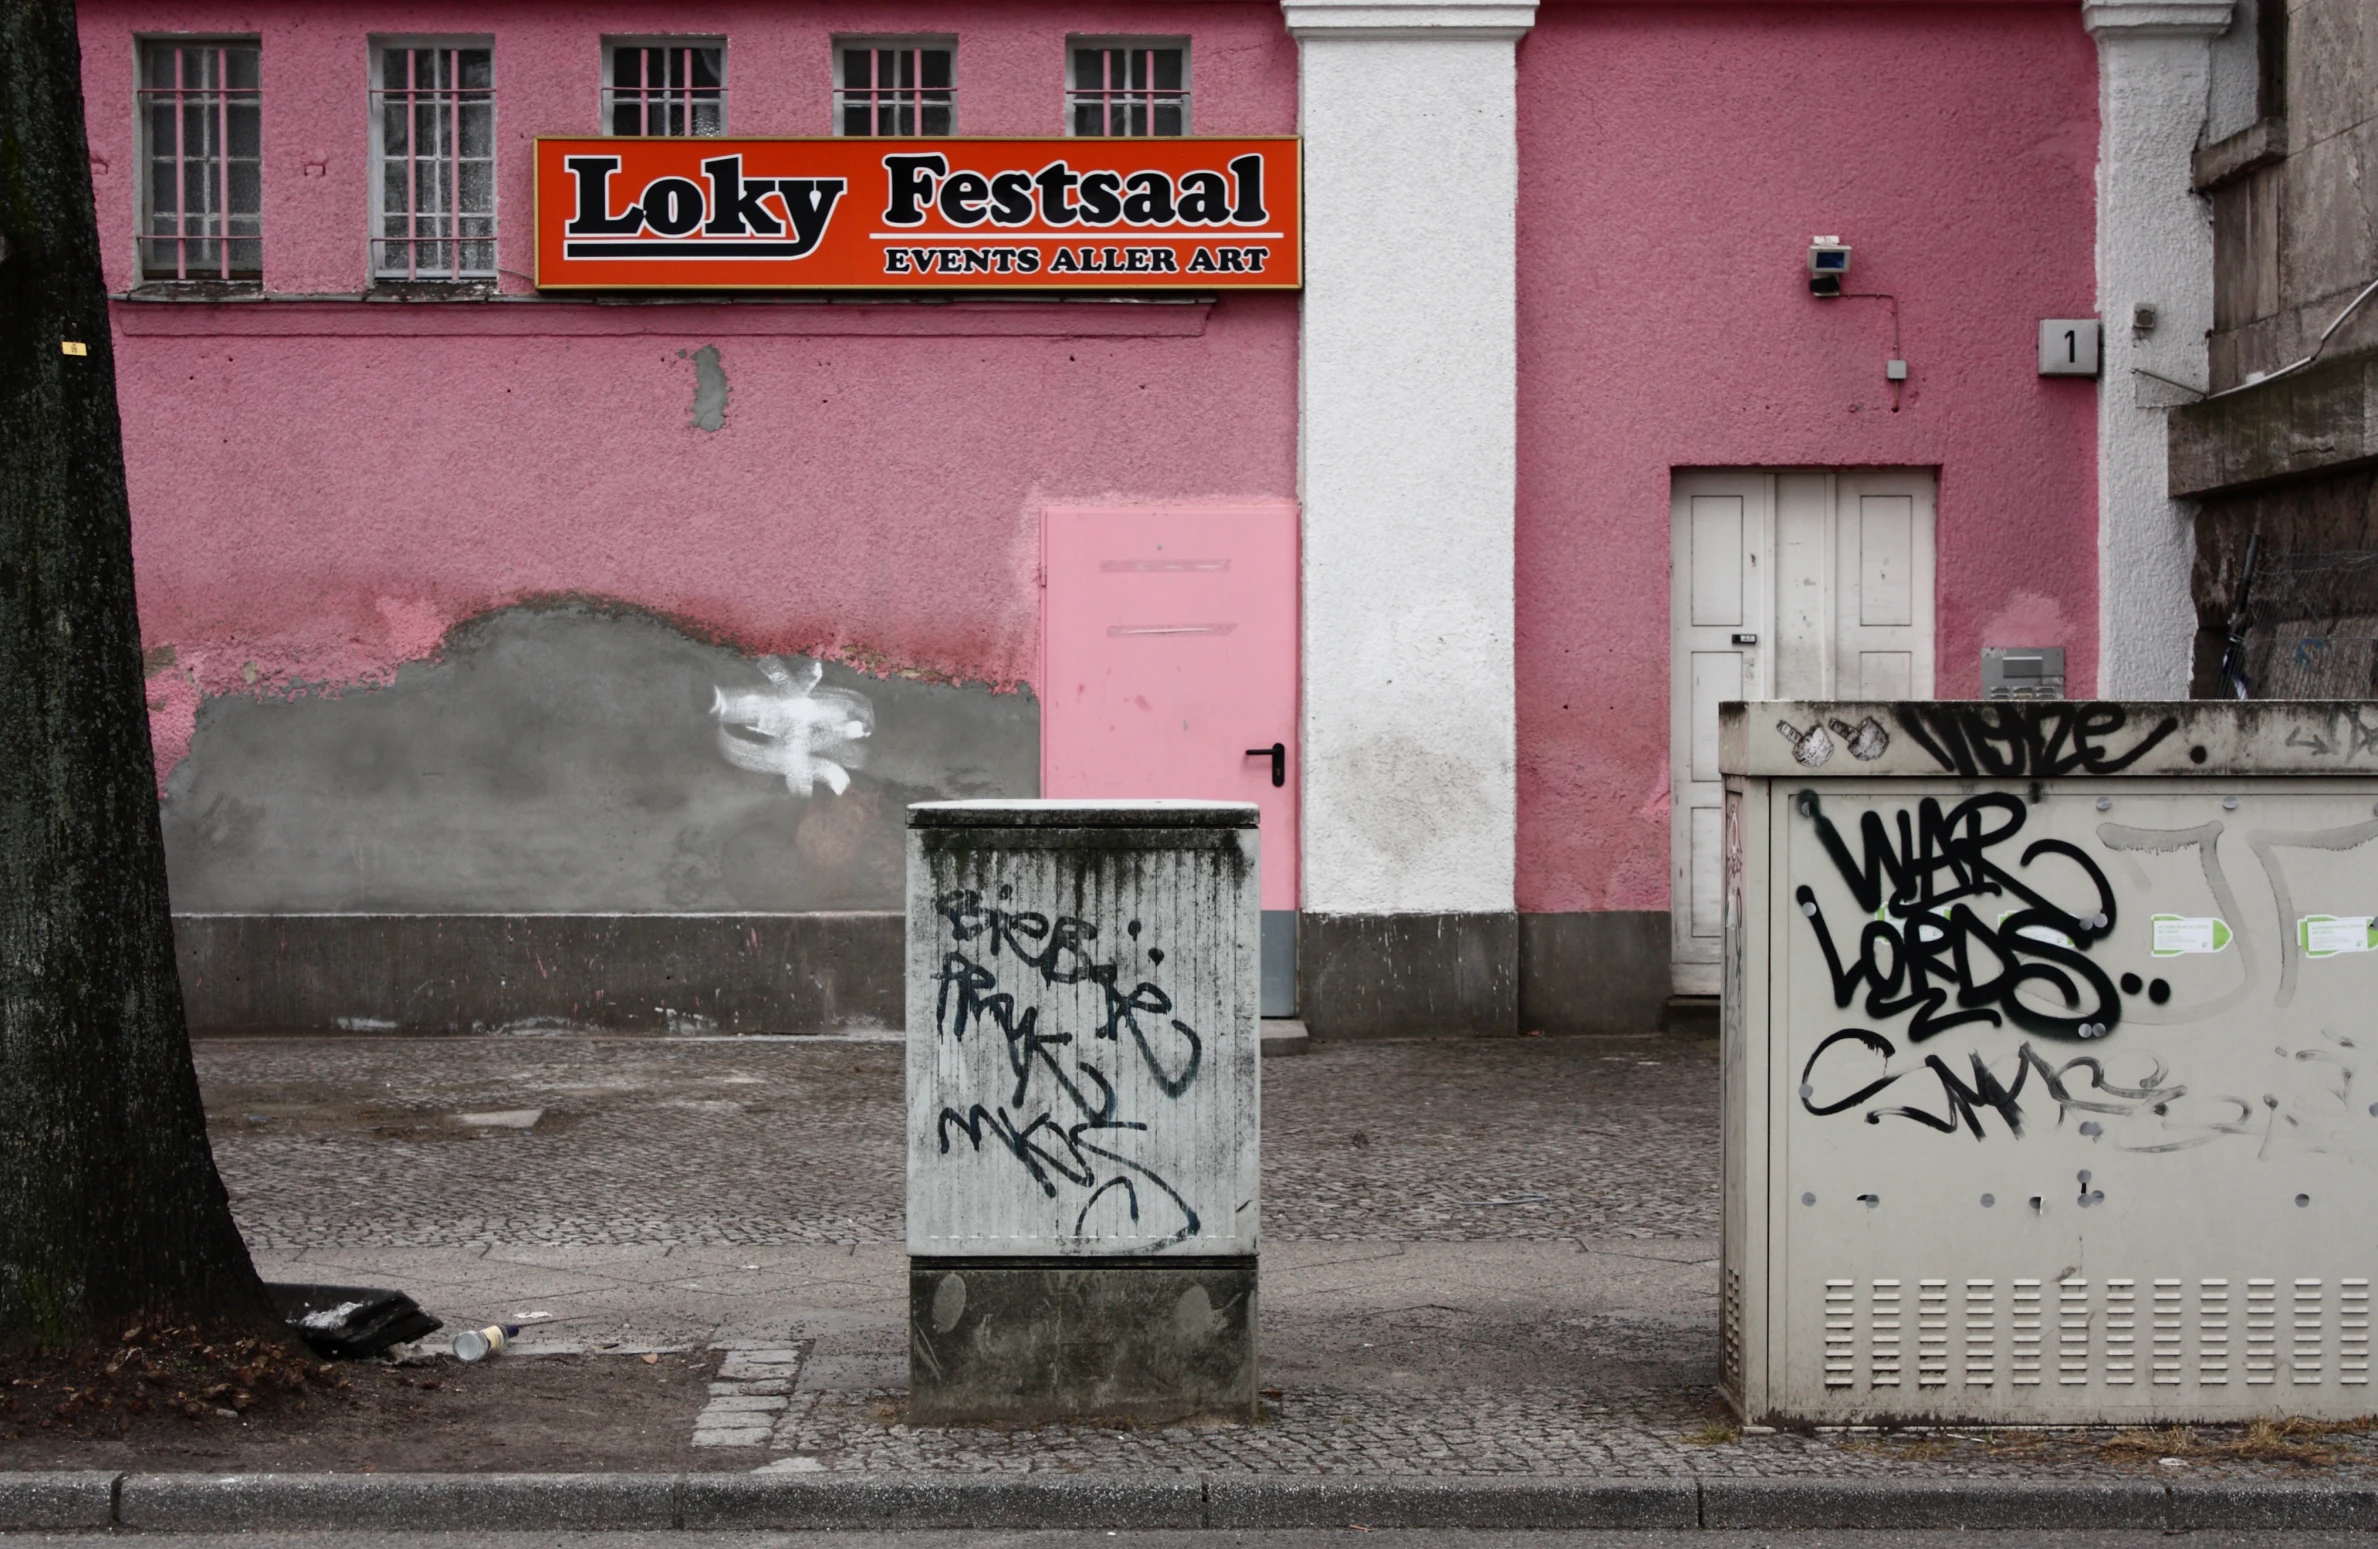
x=477, y=1344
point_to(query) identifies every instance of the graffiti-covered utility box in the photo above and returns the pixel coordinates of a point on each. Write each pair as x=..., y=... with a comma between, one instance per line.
x=1084, y=1108
x=2044, y=1031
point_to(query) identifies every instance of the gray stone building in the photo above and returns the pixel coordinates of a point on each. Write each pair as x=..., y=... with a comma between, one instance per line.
x=2285, y=444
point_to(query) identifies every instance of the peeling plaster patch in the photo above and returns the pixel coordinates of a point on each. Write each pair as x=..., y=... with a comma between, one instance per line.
x=414, y=628
x=172, y=696
x=710, y=389
x=568, y=758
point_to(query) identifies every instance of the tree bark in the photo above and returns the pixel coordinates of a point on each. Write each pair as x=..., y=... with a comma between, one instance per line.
x=110, y=1206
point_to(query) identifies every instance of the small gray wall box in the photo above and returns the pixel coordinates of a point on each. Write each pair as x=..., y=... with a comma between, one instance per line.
x=1084, y=1110
x=2022, y=672
x=2041, y=1082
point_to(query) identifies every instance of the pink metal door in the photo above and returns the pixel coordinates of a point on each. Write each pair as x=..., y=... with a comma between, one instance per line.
x=1169, y=667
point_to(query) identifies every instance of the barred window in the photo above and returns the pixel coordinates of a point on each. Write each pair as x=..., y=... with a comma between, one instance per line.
x=1128, y=86
x=890, y=86
x=433, y=124
x=202, y=197
x=671, y=86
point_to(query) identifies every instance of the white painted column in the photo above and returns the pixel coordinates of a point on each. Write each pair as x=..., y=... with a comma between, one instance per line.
x=1408, y=452
x=2154, y=246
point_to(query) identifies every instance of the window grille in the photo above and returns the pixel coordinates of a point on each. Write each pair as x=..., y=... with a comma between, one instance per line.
x=897, y=87
x=202, y=199
x=434, y=115
x=668, y=87
x=1129, y=87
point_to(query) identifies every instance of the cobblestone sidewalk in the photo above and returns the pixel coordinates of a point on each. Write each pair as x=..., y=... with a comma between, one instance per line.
x=357, y=1142
x=1491, y=1258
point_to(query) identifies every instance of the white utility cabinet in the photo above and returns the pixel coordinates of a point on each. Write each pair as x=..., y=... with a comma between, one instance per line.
x=1084, y=1055
x=2045, y=1031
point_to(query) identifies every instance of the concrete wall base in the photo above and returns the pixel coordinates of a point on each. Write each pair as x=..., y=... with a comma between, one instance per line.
x=493, y=973
x=1395, y=976
x=1410, y=975
x=1603, y=972
x=1024, y=1341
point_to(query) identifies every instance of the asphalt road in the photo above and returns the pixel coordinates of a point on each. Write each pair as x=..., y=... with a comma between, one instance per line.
x=1383, y=1539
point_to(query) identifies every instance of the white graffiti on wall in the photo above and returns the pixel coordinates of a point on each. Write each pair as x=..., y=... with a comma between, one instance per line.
x=793, y=728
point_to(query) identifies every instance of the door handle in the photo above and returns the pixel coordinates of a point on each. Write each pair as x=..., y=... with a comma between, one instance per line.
x=1278, y=754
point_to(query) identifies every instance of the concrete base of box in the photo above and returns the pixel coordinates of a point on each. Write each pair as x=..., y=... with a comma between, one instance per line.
x=1026, y=1341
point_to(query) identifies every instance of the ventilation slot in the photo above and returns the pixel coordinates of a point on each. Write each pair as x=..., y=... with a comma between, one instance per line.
x=2171, y=1316
x=1932, y=1333
x=1885, y=1358
x=1841, y=1333
x=2122, y=1321
x=2072, y=1333
x=1730, y=1333
x=2262, y=1332
x=2305, y=1365
x=2023, y=1347
x=2119, y=1338
x=2353, y=1332
x=1981, y=1333
x=2212, y=1333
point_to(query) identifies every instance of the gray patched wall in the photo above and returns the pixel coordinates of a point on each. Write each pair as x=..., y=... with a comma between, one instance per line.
x=569, y=759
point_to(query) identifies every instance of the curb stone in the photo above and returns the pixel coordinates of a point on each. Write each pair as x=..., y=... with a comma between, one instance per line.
x=86, y=1498
x=2269, y=1504
x=893, y=1501
x=231, y=1503
x=2079, y=1504
x=1308, y=1501
x=496, y=1502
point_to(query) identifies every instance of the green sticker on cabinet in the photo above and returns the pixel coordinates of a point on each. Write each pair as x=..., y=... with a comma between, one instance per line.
x=2047, y=933
x=2326, y=935
x=2179, y=934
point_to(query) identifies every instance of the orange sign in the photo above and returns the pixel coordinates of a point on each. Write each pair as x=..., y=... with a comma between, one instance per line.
x=947, y=214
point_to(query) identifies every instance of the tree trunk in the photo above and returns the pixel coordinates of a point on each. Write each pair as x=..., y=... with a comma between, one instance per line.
x=110, y=1207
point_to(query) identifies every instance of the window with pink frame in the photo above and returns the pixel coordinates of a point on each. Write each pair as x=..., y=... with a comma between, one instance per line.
x=891, y=86
x=433, y=133
x=665, y=86
x=1128, y=86
x=201, y=215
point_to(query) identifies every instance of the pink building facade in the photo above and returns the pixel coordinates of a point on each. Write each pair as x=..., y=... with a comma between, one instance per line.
x=452, y=589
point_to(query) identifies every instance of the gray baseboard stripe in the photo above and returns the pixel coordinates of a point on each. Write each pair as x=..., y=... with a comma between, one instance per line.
x=216, y=1503
x=1599, y=972
x=1410, y=975
x=476, y=973
x=1390, y=975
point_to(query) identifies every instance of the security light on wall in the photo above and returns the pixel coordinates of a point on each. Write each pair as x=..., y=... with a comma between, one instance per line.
x=1828, y=261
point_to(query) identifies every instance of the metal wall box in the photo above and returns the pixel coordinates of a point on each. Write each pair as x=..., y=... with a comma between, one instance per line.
x=2043, y=1034
x=2022, y=672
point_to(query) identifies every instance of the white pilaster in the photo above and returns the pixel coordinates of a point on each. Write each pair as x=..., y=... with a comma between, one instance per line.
x=1408, y=426
x=2154, y=245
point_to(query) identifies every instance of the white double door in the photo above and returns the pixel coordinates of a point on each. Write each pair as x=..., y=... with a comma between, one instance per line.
x=1783, y=585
